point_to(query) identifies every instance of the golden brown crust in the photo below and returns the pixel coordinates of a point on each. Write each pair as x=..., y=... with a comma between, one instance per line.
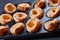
x=3, y=30
x=59, y=2
x=17, y=28
x=23, y=6
x=5, y=18
x=40, y=3
x=19, y=16
x=53, y=12
x=9, y=8
x=36, y=12
x=33, y=25
x=51, y=25
x=53, y=2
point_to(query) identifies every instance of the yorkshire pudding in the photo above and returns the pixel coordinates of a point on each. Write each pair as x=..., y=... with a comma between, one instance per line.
x=51, y=25
x=53, y=12
x=17, y=28
x=40, y=3
x=19, y=16
x=53, y=2
x=23, y=6
x=9, y=8
x=3, y=30
x=33, y=25
x=5, y=18
x=36, y=12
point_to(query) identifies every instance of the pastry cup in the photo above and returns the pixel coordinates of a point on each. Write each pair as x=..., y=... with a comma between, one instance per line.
x=3, y=30
x=40, y=3
x=5, y=18
x=33, y=25
x=53, y=2
x=51, y=25
x=9, y=8
x=53, y=12
x=59, y=2
x=17, y=28
x=19, y=16
x=36, y=12
x=23, y=6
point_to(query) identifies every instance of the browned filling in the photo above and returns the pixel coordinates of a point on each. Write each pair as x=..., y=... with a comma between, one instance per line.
x=31, y=23
x=20, y=15
x=10, y=8
x=54, y=1
x=6, y=17
x=34, y=12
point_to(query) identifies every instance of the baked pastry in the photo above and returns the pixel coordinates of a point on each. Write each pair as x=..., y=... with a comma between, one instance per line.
x=33, y=25
x=53, y=12
x=36, y=12
x=53, y=2
x=17, y=28
x=19, y=16
x=51, y=25
x=40, y=3
x=59, y=1
x=5, y=18
x=9, y=8
x=3, y=30
x=23, y=6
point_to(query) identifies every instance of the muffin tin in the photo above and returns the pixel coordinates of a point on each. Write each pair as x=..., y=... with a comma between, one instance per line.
x=25, y=33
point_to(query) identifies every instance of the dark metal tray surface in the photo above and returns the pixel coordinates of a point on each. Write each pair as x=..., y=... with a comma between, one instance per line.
x=41, y=32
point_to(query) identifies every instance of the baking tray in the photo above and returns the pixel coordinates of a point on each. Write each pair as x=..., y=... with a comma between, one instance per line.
x=41, y=32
